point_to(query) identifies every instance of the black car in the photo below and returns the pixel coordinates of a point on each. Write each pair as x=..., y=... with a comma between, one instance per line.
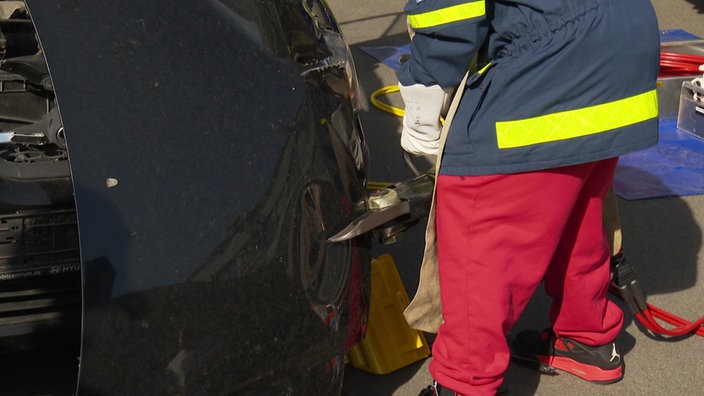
x=171, y=174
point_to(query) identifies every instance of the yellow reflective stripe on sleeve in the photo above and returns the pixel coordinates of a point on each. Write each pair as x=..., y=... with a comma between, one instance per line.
x=445, y=15
x=577, y=123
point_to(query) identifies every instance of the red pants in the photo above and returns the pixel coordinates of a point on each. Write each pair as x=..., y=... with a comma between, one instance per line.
x=499, y=236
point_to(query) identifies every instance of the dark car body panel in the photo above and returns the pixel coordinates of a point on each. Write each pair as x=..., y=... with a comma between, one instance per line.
x=213, y=151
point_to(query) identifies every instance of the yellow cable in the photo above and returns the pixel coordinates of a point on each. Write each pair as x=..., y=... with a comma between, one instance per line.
x=383, y=106
x=397, y=111
x=371, y=185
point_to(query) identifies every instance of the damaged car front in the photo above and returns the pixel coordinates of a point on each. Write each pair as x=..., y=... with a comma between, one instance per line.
x=213, y=150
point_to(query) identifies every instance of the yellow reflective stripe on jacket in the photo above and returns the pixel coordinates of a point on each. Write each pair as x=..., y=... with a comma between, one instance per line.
x=576, y=123
x=445, y=15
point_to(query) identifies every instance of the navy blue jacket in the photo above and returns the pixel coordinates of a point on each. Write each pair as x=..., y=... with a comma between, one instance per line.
x=570, y=81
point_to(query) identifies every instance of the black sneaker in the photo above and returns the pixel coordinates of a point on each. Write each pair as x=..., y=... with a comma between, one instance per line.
x=437, y=390
x=546, y=352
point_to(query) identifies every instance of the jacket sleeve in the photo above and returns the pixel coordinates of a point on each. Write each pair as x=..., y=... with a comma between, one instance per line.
x=448, y=33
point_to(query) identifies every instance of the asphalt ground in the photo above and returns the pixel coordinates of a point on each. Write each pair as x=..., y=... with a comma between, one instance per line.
x=662, y=237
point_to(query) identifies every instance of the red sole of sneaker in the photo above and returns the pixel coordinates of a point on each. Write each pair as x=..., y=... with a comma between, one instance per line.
x=584, y=371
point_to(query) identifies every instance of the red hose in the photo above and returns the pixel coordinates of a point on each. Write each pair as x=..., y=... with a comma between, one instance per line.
x=673, y=64
x=683, y=326
x=647, y=317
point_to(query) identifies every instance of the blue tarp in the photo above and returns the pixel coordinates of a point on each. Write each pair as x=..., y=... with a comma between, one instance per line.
x=388, y=55
x=667, y=36
x=674, y=167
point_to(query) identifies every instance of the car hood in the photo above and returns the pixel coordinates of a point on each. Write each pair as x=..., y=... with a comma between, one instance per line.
x=211, y=157
x=175, y=119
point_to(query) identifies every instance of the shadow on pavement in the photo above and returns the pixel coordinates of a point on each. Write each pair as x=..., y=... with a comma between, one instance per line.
x=661, y=241
x=698, y=5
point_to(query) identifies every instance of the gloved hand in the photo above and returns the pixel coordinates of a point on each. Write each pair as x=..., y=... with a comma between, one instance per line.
x=421, y=119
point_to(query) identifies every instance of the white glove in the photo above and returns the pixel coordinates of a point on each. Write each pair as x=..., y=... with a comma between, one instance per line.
x=421, y=119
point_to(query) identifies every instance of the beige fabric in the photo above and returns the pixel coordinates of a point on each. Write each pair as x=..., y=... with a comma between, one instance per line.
x=612, y=222
x=424, y=312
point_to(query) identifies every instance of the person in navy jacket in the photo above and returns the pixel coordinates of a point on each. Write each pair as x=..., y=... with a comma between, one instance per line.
x=566, y=86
